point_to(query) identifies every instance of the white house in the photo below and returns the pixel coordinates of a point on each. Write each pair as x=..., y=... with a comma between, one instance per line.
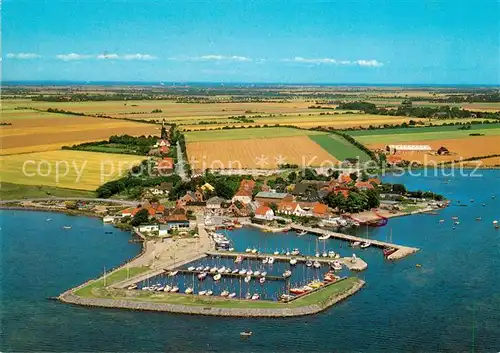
x=291, y=208
x=264, y=213
x=149, y=228
x=108, y=219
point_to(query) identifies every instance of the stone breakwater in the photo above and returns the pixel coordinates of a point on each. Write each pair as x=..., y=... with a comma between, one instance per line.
x=71, y=298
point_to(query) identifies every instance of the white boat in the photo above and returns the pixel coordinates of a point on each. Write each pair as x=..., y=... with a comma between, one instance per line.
x=202, y=276
x=317, y=254
x=133, y=286
x=263, y=274
x=354, y=258
x=167, y=288
x=265, y=261
x=232, y=295
x=355, y=244
x=287, y=273
x=309, y=263
x=231, y=249
x=189, y=290
x=325, y=254
x=337, y=266
x=49, y=219
x=199, y=268
x=203, y=292
x=262, y=280
x=304, y=232
x=366, y=244
x=248, y=296
x=316, y=264
x=270, y=261
x=256, y=273
x=293, y=261
x=213, y=270
x=145, y=288
x=247, y=279
x=331, y=253
x=175, y=289
x=246, y=333
x=191, y=268
x=67, y=227
x=249, y=272
x=287, y=253
x=160, y=289
x=337, y=256
x=324, y=237
x=256, y=296
x=276, y=252
x=224, y=293
x=295, y=252
x=228, y=270
x=222, y=269
x=206, y=269
x=254, y=251
x=173, y=273
x=209, y=292
x=441, y=221
x=235, y=271
x=248, y=250
x=217, y=277
x=242, y=272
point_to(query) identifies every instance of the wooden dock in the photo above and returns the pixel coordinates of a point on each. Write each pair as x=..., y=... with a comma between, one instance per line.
x=401, y=250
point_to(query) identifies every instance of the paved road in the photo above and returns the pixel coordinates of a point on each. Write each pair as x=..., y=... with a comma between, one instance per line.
x=179, y=168
x=120, y=202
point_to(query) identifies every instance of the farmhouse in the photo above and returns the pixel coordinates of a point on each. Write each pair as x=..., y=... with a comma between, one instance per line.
x=244, y=193
x=443, y=151
x=265, y=198
x=264, y=213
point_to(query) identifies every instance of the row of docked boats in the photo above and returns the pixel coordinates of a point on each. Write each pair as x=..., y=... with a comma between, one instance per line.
x=359, y=244
x=159, y=288
x=329, y=277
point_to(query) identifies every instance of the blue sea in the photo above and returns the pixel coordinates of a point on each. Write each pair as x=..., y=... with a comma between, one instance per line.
x=450, y=304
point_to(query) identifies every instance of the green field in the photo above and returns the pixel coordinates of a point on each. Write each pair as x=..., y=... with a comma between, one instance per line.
x=244, y=134
x=339, y=147
x=10, y=191
x=317, y=297
x=420, y=134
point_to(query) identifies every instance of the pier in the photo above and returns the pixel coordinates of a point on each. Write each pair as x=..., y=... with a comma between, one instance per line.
x=236, y=275
x=359, y=265
x=401, y=250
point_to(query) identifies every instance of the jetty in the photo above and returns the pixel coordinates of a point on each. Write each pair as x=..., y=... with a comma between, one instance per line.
x=401, y=250
x=359, y=265
x=234, y=275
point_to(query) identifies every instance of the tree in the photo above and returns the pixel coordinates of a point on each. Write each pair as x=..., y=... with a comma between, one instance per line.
x=223, y=189
x=399, y=188
x=372, y=199
x=364, y=176
x=273, y=207
x=335, y=174
x=354, y=176
x=292, y=177
x=142, y=216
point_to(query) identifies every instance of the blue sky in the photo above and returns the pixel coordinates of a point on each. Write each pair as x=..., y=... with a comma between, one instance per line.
x=433, y=42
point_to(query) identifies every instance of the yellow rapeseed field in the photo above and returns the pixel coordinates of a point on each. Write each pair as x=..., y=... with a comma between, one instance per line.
x=67, y=169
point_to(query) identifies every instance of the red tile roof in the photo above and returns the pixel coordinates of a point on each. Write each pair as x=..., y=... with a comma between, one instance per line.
x=246, y=188
x=262, y=210
x=344, y=178
x=394, y=159
x=376, y=181
x=166, y=163
x=320, y=209
x=364, y=185
x=287, y=206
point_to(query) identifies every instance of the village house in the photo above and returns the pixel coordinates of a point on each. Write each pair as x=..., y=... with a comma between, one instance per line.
x=265, y=198
x=190, y=198
x=162, y=143
x=264, y=213
x=177, y=220
x=148, y=228
x=290, y=208
x=320, y=210
x=245, y=191
x=214, y=203
x=165, y=166
x=344, y=179
x=364, y=185
x=240, y=209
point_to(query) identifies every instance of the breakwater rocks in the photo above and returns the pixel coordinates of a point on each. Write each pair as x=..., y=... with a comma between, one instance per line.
x=71, y=298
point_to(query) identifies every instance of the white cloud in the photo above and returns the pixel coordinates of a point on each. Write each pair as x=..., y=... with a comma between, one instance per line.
x=23, y=56
x=105, y=56
x=331, y=61
x=72, y=57
x=212, y=57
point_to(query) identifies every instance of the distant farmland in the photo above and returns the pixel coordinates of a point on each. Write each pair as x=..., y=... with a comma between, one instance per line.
x=339, y=147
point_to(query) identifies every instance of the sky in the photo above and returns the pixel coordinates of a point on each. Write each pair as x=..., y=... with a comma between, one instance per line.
x=393, y=41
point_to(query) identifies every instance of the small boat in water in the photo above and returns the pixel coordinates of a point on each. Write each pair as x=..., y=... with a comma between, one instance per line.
x=189, y=290
x=213, y=270
x=191, y=268
x=270, y=261
x=238, y=259
x=247, y=279
x=49, y=219
x=206, y=269
x=249, y=272
x=175, y=289
x=265, y=261
x=389, y=251
x=224, y=293
x=256, y=273
x=67, y=227
x=287, y=273
x=256, y=296
x=167, y=288
x=263, y=274
x=254, y=251
x=248, y=250
x=248, y=296
x=203, y=292
x=199, y=268
x=227, y=271
x=235, y=271
x=331, y=254
x=304, y=232
x=309, y=263
x=232, y=295
x=478, y=218
x=209, y=292
x=222, y=269
x=325, y=254
x=297, y=291
x=293, y=261
x=276, y=252
x=336, y=265
x=355, y=244
x=173, y=273
x=316, y=264
x=317, y=254
x=217, y=277
x=324, y=237
x=365, y=245
x=202, y=276
x=295, y=252
x=242, y=272
x=262, y=280
x=246, y=333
